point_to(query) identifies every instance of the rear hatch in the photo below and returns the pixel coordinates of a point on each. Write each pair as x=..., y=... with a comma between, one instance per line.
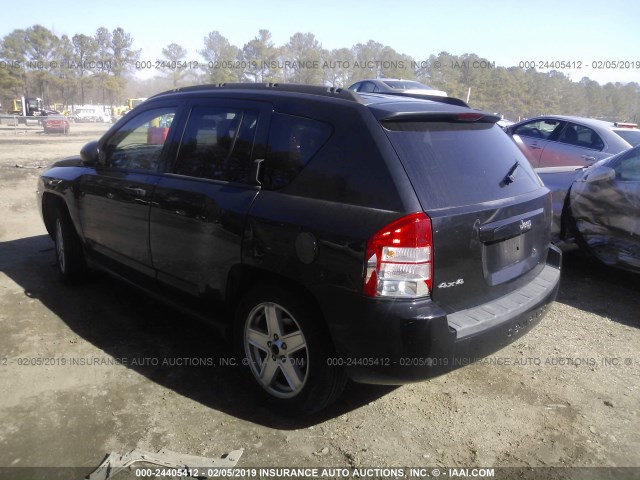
x=490, y=213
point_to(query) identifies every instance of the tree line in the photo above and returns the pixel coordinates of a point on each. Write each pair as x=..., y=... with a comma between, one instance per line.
x=100, y=68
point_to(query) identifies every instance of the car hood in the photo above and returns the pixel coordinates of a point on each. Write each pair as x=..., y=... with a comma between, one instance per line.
x=74, y=161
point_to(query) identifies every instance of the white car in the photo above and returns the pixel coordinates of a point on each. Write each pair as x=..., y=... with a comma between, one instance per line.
x=395, y=85
x=92, y=114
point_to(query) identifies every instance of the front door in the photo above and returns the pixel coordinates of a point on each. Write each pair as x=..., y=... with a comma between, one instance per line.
x=114, y=198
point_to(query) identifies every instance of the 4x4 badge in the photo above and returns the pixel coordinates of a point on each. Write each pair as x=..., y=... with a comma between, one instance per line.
x=460, y=281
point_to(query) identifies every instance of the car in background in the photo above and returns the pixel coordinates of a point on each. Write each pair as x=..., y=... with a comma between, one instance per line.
x=395, y=85
x=56, y=124
x=555, y=140
x=91, y=114
x=599, y=207
x=504, y=123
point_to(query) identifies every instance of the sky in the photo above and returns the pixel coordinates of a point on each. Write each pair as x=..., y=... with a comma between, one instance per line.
x=587, y=33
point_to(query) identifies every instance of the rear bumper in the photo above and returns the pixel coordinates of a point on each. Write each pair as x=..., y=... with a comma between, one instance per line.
x=401, y=342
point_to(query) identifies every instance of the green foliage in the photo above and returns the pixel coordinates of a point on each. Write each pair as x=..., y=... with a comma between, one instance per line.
x=99, y=68
x=260, y=59
x=219, y=54
x=302, y=58
x=174, y=54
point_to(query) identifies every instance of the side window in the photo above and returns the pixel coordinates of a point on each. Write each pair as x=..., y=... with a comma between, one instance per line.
x=581, y=136
x=217, y=144
x=355, y=87
x=367, y=87
x=138, y=144
x=293, y=141
x=543, y=129
x=628, y=169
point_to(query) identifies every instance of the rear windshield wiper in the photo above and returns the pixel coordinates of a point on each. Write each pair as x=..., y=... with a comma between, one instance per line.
x=510, y=177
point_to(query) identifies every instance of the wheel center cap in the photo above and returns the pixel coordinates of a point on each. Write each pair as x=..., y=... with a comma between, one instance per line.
x=275, y=349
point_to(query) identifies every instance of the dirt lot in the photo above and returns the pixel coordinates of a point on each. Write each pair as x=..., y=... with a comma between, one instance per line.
x=566, y=394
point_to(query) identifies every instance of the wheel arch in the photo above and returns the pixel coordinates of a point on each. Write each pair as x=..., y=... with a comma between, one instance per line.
x=568, y=226
x=50, y=203
x=243, y=278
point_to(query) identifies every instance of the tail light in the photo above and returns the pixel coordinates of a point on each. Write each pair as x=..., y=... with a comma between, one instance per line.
x=399, y=259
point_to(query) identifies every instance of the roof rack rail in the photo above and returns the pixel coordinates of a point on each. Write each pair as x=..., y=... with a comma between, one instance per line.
x=332, y=92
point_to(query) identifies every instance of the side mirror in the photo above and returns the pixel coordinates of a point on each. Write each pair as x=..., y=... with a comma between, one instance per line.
x=90, y=153
x=600, y=174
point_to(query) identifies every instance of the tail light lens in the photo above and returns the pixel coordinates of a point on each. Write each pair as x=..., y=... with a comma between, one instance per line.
x=399, y=259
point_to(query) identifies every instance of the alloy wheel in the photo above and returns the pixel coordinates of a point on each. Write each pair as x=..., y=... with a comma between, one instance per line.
x=276, y=349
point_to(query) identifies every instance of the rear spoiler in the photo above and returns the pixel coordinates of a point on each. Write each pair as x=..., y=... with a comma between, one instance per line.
x=472, y=116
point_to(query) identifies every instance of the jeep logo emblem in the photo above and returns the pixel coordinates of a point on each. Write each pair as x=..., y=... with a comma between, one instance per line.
x=525, y=226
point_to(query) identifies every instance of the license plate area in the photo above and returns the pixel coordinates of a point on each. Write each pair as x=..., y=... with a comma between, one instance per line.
x=509, y=258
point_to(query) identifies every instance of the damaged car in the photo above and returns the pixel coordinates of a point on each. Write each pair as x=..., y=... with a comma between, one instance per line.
x=599, y=208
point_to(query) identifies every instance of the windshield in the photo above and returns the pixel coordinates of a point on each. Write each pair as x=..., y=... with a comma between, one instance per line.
x=631, y=136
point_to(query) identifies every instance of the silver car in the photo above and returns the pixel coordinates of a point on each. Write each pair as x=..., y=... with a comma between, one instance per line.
x=554, y=140
x=395, y=85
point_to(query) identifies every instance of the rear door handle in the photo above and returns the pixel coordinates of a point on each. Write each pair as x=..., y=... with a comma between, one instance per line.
x=588, y=158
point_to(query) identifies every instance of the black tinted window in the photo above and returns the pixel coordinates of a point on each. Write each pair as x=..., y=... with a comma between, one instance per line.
x=217, y=144
x=138, y=144
x=293, y=141
x=581, y=136
x=367, y=87
x=454, y=164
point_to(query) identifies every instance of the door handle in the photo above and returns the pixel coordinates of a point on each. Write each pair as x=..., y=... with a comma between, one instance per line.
x=588, y=158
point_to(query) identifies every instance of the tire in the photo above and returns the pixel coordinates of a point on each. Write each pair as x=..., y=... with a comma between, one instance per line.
x=285, y=347
x=69, y=253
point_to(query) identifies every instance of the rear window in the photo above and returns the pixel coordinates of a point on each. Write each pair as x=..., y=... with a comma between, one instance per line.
x=632, y=137
x=454, y=164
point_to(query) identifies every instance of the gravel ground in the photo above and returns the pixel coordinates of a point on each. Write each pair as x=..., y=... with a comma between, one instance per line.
x=566, y=394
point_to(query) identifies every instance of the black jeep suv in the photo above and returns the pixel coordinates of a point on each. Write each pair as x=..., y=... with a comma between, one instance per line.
x=381, y=238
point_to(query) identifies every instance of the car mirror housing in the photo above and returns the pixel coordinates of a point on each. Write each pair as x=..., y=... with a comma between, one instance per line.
x=90, y=153
x=600, y=174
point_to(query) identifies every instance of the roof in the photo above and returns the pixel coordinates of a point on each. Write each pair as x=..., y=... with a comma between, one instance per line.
x=383, y=105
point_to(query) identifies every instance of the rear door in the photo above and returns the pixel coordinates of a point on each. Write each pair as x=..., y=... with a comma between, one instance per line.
x=490, y=213
x=200, y=205
x=576, y=145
